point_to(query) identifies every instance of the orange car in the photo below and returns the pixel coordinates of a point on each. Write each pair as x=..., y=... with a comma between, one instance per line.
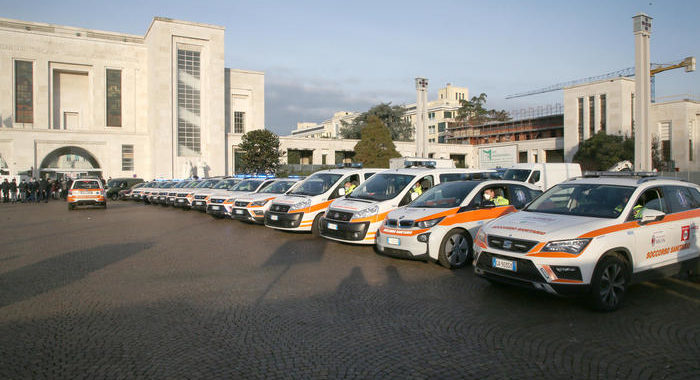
x=86, y=192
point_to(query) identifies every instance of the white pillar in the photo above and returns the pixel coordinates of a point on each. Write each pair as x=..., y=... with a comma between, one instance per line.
x=421, y=116
x=642, y=88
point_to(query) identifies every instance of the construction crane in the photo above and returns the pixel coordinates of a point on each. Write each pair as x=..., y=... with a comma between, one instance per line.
x=688, y=63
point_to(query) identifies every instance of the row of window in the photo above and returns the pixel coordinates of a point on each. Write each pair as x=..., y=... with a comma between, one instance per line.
x=446, y=115
x=24, y=94
x=591, y=115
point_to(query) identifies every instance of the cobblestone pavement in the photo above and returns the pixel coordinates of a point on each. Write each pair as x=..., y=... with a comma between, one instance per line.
x=140, y=291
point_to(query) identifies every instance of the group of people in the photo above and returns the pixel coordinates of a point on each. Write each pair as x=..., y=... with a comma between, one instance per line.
x=35, y=190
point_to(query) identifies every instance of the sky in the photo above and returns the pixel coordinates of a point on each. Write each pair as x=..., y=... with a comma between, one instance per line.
x=320, y=57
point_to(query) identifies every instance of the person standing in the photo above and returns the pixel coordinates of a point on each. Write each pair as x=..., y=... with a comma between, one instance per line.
x=13, y=191
x=23, y=191
x=35, y=190
x=45, y=189
x=5, y=191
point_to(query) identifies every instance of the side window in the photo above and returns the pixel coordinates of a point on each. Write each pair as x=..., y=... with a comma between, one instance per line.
x=367, y=175
x=535, y=177
x=696, y=195
x=426, y=182
x=406, y=199
x=520, y=196
x=679, y=198
x=353, y=179
x=493, y=196
x=651, y=199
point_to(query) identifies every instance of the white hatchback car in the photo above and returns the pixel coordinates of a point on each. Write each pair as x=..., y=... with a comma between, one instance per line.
x=594, y=235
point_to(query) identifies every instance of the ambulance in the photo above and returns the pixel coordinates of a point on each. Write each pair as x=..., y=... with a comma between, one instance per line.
x=302, y=208
x=201, y=195
x=185, y=195
x=172, y=192
x=594, y=235
x=220, y=205
x=86, y=192
x=442, y=223
x=252, y=207
x=357, y=217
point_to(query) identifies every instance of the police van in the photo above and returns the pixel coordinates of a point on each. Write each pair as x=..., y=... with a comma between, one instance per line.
x=442, y=223
x=594, y=235
x=302, y=208
x=251, y=207
x=220, y=204
x=357, y=217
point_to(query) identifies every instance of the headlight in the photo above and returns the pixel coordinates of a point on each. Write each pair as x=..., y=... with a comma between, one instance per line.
x=229, y=200
x=429, y=223
x=190, y=195
x=259, y=203
x=369, y=211
x=573, y=246
x=301, y=204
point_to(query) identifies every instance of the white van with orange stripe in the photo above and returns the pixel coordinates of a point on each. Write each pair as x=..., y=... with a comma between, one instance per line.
x=357, y=217
x=302, y=208
x=594, y=235
x=441, y=224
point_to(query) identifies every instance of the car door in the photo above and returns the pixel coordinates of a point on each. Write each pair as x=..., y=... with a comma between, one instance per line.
x=654, y=240
x=681, y=203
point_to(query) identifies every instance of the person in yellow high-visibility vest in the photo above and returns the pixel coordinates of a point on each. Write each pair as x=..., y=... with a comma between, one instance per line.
x=490, y=196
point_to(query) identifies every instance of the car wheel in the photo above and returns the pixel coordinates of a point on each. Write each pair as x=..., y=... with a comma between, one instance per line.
x=70, y=207
x=455, y=249
x=609, y=283
x=316, y=226
x=114, y=197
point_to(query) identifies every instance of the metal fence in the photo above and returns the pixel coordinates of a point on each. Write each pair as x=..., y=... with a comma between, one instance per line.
x=693, y=177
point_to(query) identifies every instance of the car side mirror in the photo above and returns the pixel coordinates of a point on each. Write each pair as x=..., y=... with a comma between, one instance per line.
x=341, y=191
x=651, y=215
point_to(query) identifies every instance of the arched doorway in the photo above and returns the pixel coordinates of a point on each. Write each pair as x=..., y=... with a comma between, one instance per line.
x=71, y=161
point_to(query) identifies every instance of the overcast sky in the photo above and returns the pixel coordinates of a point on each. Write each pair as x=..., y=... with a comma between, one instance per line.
x=325, y=56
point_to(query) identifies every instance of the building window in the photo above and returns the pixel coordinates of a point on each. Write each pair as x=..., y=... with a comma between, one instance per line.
x=665, y=138
x=603, y=113
x=690, y=140
x=431, y=115
x=632, y=113
x=188, y=108
x=441, y=127
x=114, y=98
x=448, y=114
x=580, y=119
x=591, y=115
x=127, y=158
x=238, y=122
x=24, y=92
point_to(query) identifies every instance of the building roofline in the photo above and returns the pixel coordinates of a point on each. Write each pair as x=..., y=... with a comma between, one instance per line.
x=629, y=79
x=69, y=31
x=242, y=71
x=183, y=22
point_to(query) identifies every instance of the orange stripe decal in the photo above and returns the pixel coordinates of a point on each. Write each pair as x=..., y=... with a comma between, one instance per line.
x=475, y=215
x=451, y=211
x=397, y=232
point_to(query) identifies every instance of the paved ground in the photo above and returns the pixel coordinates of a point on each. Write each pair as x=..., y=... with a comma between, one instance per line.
x=145, y=291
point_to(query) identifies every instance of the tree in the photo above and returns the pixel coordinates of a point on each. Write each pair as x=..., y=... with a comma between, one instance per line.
x=376, y=147
x=602, y=151
x=473, y=111
x=391, y=116
x=262, y=154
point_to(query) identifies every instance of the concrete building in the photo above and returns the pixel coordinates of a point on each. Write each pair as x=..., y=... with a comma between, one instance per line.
x=441, y=111
x=84, y=101
x=328, y=129
x=608, y=105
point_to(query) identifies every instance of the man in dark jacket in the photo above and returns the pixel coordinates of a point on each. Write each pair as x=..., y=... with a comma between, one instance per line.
x=23, y=188
x=45, y=189
x=5, y=191
x=13, y=191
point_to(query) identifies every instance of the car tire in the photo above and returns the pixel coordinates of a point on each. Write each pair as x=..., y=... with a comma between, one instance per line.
x=114, y=197
x=70, y=207
x=455, y=249
x=609, y=283
x=316, y=226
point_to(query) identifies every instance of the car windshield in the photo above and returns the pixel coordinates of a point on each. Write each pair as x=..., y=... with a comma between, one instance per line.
x=277, y=187
x=247, y=185
x=317, y=184
x=579, y=199
x=193, y=184
x=86, y=185
x=446, y=195
x=221, y=185
x=180, y=184
x=382, y=186
x=208, y=184
x=517, y=174
x=114, y=182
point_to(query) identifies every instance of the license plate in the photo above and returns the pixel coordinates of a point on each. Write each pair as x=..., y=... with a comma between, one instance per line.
x=332, y=226
x=180, y=200
x=274, y=217
x=239, y=212
x=503, y=264
x=393, y=241
x=214, y=207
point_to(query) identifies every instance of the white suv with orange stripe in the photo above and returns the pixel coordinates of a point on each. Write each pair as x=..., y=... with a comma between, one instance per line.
x=302, y=208
x=357, y=217
x=442, y=223
x=252, y=207
x=594, y=235
x=86, y=192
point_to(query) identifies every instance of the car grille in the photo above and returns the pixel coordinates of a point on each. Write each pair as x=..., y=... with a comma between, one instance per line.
x=339, y=215
x=200, y=197
x=217, y=200
x=163, y=193
x=406, y=223
x=526, y=270
x=279, y=208
x=172, y=194
x=241, y=204
x=182, y=195
x=515, y=245
x=391, y=223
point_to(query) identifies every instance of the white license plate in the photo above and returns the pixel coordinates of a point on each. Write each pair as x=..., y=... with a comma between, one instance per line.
x=332, y=226
x=274, y=217
x=503, y=264
x=393, y=241
x=214, y=207
x=180, y=200
x=239, y=212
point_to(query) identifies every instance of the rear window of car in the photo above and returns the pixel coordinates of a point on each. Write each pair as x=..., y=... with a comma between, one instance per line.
x=86, y=185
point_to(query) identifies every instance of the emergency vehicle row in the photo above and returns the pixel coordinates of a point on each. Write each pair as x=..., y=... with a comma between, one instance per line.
x=590, y=235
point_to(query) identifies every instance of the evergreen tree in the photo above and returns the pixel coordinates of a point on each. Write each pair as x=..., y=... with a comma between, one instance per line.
x=602, y=151
x=391, y=116
x=376, y=147
x=262, y=154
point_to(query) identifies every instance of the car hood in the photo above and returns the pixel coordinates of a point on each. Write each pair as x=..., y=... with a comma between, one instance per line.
x=257, y=197
x=351, y=205
x=416, y=213
x=541, y=226
x=290, y=199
